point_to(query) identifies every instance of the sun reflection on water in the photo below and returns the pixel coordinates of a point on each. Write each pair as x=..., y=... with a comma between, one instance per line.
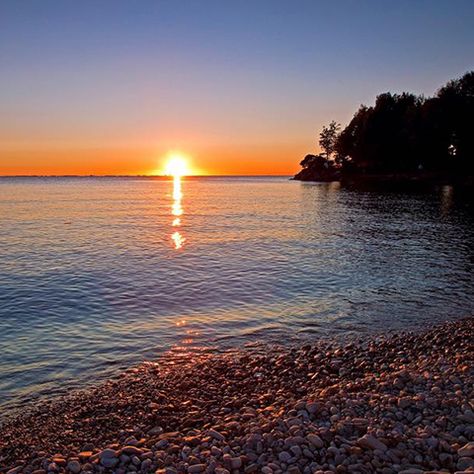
x=177, y=211
x=178, y=240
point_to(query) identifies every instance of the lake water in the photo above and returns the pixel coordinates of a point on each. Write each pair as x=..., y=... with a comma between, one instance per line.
x=97, y=274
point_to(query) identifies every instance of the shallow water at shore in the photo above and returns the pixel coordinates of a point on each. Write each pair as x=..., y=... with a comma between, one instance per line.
x=91, y=279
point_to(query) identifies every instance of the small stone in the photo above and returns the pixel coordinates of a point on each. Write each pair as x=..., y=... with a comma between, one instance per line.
x=14, y=470
x=370, y=442
x=465, y=463
x=109, y=462
x=296, y=450
x=74, y=467
x=167, y=470
x=284, y=456
x=221, y=470
x=466, y=450
x=108, y=453
x=236, y=462
x=132, y=450
x=404, y=402
x=85, y=455
x=124, y=459
x=215, y=451
x=216, y=435
x=196, y=468
x=251, y=468
x=59, y=460
x=315, y=440
x=156, y=430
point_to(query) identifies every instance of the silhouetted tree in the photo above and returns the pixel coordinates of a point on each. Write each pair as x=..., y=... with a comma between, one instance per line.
x=403, y=133
x=307, y=161
x=328, y=137
x=383, y=137
x=455, y=102
x=317, y=168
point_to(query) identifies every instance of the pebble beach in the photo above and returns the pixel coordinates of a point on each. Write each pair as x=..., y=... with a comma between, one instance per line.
x=397, y=403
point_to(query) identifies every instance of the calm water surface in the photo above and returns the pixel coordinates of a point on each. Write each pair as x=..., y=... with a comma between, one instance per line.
x=97, y=274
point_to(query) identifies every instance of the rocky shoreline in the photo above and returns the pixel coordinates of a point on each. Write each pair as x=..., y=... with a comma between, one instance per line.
x=401, y=403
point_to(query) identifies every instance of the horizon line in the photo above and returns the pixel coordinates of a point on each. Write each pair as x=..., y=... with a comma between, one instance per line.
x=136, y=175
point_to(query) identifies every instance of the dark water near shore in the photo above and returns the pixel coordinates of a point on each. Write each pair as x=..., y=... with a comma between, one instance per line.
x=97, y=274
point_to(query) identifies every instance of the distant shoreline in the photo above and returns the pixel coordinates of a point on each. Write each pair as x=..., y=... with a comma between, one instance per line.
x=148, y=176
x=387, y=180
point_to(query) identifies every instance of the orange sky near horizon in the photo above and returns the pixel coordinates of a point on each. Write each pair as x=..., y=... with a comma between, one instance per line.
x=241, y=88
x=272, y=159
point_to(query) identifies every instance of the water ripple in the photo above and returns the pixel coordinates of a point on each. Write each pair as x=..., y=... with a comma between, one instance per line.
x=91, y=280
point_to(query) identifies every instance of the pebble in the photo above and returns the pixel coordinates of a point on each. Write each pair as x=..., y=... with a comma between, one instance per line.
x=284, y=456
x=466, y=450
x=74, y=466
x=465, y=463
x=221, y=470
x=315, y=440
x=370, y=442
x=108, y=453
x=132, y=450
x=216, y=435
x=196, y=468
x=235, y=462
x=109, y=462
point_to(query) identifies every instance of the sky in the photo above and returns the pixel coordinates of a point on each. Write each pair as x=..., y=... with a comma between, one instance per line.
x=240, y=87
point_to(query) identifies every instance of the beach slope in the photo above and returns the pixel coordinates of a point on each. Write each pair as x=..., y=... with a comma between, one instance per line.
x=395, y=403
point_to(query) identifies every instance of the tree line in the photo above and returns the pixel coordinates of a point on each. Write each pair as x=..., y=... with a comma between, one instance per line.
x=401, y=133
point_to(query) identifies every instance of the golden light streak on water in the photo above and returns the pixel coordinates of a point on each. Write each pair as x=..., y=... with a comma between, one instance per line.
x=176, y=208
x=178, y=240
x=177, y=211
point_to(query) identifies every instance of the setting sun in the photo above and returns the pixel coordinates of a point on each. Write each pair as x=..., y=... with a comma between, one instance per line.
x=177, y=165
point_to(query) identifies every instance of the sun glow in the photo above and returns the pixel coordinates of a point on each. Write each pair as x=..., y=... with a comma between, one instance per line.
x=177, y=165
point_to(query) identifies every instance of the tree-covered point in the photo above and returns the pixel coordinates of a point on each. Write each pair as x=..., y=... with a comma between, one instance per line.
x=401, y=133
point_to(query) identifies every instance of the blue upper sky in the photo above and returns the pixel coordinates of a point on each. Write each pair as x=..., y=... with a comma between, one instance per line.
x=216, y=78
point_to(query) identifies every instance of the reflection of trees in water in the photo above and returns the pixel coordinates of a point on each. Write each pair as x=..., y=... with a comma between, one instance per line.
x=395, y=230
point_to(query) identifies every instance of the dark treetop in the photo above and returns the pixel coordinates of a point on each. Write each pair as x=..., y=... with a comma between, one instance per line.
x=402, y=136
